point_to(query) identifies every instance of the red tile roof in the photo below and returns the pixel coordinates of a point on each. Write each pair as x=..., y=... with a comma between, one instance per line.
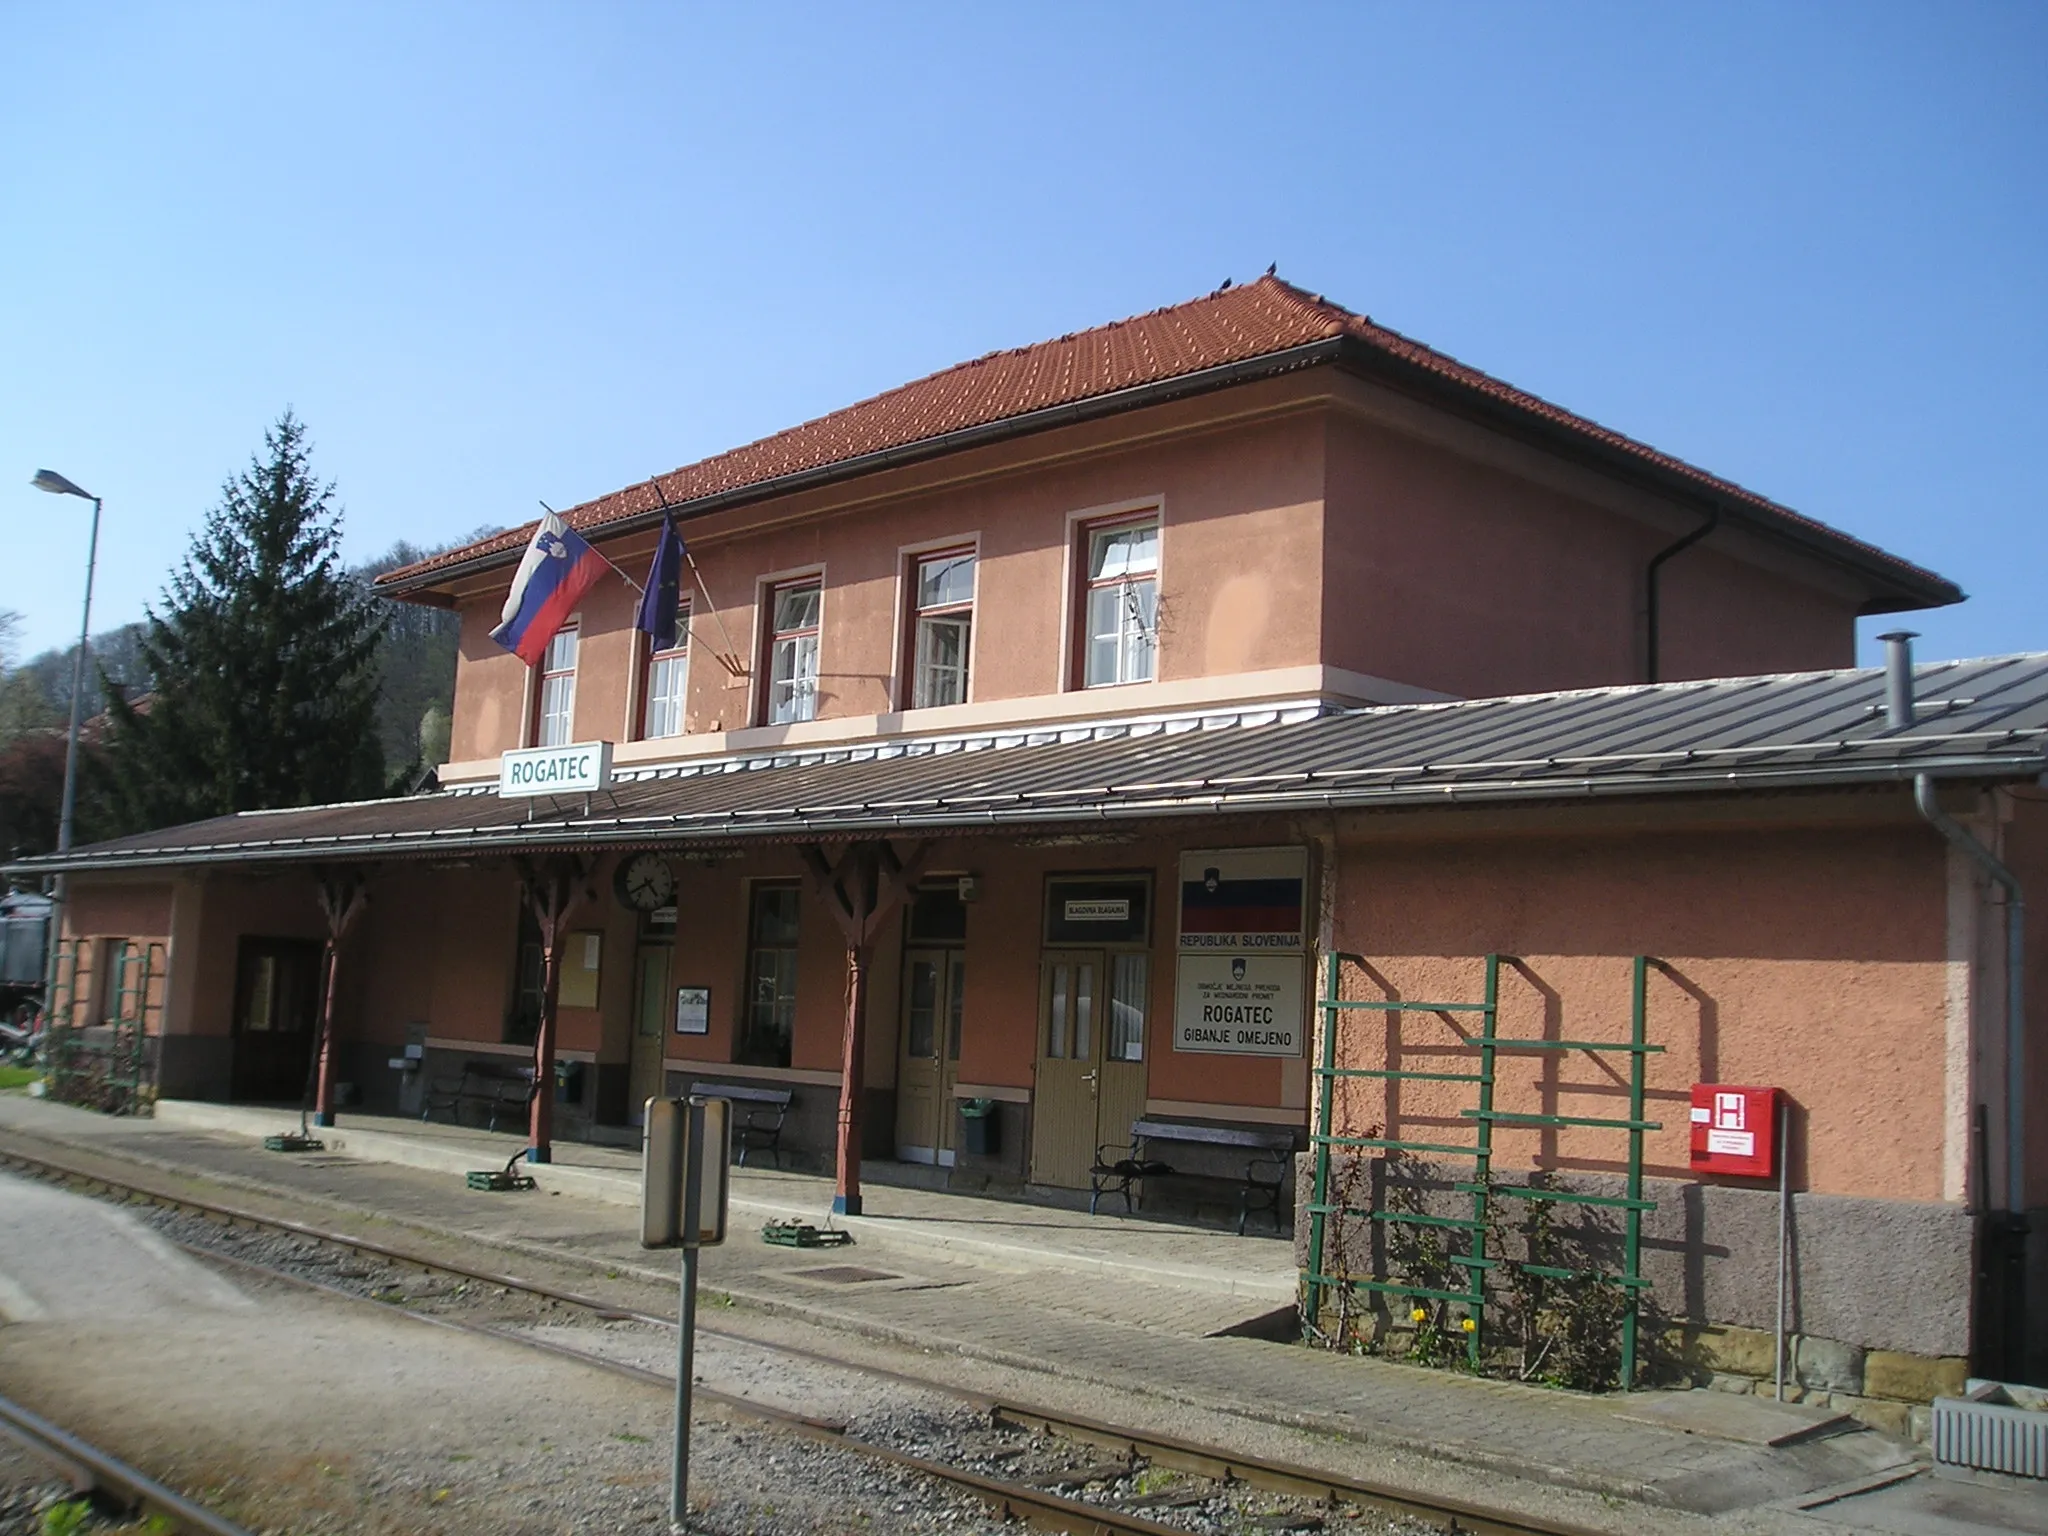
x=1233, y=325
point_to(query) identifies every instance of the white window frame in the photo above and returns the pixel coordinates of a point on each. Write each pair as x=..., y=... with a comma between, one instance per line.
x=916, y=616
x=1131, y=622
x=655, y=707
x=565, y=696
x=773, y=639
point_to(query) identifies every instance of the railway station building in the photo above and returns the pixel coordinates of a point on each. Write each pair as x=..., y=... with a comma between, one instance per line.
x=1049, y=740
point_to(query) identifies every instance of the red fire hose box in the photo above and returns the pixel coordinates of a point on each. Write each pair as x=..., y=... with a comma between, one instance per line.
x=1735, y=1130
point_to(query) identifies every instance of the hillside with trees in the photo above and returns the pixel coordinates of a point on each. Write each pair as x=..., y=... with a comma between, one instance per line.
x=373, y=687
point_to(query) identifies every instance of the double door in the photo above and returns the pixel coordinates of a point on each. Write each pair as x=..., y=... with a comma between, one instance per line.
x=1091, y=1059
x=934, y=984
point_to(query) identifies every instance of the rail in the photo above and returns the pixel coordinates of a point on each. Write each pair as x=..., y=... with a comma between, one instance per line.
x=93, y=1471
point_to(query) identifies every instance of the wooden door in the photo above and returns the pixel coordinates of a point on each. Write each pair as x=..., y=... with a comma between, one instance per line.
x=928, y=1063
x=1091, y=1059
x=1120, y=1098
x=1069, y=1067
x=651, y=1001
x=277, y=1004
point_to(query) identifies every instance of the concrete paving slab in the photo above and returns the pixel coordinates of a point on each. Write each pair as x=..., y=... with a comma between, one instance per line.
x=1928, y=1506
x=973, y=1229
x=62, y=1257
x=1735, y=1416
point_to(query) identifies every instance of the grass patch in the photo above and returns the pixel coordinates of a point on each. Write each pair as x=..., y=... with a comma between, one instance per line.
x=17, y=1077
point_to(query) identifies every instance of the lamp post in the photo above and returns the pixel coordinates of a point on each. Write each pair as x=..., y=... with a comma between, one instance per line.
x=49, y=480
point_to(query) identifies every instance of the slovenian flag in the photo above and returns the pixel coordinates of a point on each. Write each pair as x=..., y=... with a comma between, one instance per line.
x=558, y=569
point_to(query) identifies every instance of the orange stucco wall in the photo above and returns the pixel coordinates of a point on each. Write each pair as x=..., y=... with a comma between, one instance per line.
x=1460, y=576
x=1220, y=497
x=1312, y=534
x=118, y=910
x=1812, y=959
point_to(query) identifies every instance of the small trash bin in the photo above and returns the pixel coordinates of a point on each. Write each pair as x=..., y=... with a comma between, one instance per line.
x=979, y=1125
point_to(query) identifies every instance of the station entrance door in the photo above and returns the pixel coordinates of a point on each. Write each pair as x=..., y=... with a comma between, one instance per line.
x=277, y=1006
x=1091, y=1059
x=934, y=984
x=651, y=996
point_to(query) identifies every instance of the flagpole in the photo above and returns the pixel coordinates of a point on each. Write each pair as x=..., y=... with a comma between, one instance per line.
x=731, y=658
x=731, y=650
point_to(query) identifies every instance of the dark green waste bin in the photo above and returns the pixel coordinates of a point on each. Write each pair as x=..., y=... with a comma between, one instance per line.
x=980, y=1127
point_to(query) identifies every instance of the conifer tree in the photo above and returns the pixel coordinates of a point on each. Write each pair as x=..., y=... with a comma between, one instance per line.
x=262, y=660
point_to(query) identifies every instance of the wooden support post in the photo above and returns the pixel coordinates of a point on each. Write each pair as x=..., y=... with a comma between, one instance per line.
x=551, y=890
x=342, y=897
x=861, y=890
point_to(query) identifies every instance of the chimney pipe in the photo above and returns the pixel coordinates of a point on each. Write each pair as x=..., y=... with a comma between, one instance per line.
x=1898, y=677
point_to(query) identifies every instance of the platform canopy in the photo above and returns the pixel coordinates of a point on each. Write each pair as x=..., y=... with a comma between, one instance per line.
x=1983, y=720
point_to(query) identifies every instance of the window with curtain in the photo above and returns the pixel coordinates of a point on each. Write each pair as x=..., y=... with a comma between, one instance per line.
x=943, y=592
x=1121, y=605
x=793, y=653
x=668, y=682
x=1127, y=981
x=557, y=711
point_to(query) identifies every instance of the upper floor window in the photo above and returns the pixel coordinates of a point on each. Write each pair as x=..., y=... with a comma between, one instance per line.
x=668, y=682
x=793, y=654
x=944, y=615
x=1121, y=606
x=557, y=710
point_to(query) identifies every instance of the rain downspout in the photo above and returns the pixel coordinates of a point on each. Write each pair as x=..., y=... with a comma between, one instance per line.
x=1650, y=575
x=1898, y=709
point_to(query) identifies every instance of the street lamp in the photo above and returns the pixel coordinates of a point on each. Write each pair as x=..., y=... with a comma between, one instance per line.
x=49, y=480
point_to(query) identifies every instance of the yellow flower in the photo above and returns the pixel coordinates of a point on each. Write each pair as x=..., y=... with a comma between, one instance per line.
x=1418, y=1315
x=1468, y=1325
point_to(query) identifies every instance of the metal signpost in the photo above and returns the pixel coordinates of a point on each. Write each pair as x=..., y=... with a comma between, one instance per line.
x=683, y=1195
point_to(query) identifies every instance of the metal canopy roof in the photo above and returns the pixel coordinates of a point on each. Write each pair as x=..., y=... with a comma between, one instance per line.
x=1984, y=719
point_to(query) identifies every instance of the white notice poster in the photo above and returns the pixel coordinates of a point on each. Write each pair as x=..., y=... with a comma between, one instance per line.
x=1242, y=1005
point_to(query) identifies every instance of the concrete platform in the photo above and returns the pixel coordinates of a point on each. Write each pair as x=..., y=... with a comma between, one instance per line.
x=1106, y=1310
x=1257, y=1271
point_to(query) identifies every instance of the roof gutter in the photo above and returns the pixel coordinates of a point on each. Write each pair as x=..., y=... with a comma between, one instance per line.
x=1196, y=801
x=1205, y=381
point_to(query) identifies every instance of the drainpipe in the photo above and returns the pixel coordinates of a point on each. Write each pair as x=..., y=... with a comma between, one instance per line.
x=1650, y=575
x=1899, y=712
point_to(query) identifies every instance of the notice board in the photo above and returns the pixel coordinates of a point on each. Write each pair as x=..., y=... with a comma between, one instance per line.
x=1242, y=953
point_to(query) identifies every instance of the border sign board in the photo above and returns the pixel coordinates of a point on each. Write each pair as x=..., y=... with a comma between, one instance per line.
x=1242, y=960
x=581, y=768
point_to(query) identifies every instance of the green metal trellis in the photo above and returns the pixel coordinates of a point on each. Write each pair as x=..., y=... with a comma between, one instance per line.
x=1475, y=1261
x=103, y=1064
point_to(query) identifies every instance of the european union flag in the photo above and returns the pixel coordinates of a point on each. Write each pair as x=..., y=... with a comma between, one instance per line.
x=659, y=603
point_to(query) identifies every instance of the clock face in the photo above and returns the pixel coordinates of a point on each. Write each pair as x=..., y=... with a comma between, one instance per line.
x=646, y=883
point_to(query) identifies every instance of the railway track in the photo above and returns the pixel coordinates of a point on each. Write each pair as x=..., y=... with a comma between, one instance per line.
x=110, y=1482
x=1036, y=1505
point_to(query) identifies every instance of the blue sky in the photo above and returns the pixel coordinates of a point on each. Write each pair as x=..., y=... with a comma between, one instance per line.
x=500, y=254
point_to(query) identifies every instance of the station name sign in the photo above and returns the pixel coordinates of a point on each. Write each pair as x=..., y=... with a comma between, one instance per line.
x=580, y=768
x=1240, y=971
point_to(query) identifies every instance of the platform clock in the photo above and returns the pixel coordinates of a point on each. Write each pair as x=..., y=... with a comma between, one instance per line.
x=646, y=883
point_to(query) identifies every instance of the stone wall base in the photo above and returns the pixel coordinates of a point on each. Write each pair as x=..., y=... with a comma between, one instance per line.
x=1884, y=1388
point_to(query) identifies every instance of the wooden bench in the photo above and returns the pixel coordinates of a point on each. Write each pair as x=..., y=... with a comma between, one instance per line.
x=1118, y=1167
x=757, y=1115
x=491, y=1086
